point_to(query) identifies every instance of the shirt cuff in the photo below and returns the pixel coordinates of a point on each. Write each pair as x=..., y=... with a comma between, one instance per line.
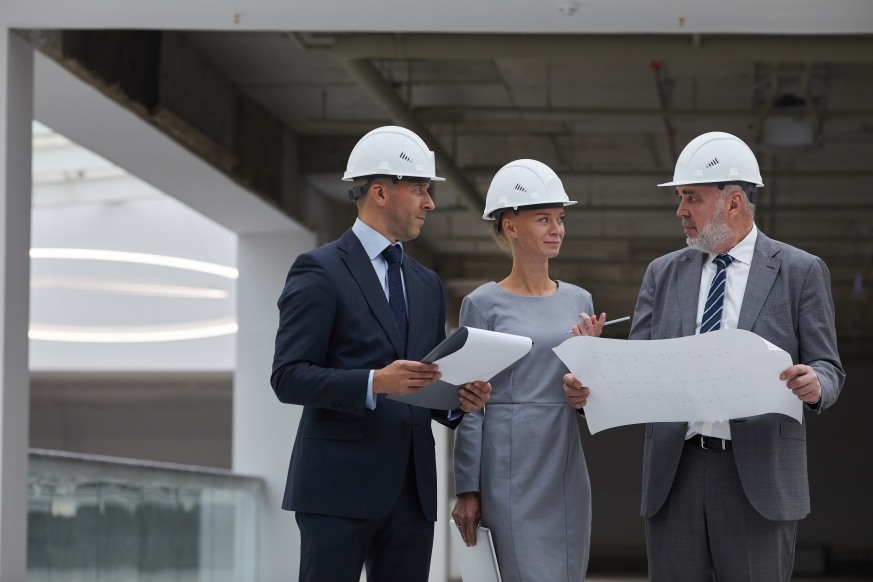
x=370, y=404
x=455, y=414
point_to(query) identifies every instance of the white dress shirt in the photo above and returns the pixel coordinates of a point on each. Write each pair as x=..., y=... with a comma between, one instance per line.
x=737, y=276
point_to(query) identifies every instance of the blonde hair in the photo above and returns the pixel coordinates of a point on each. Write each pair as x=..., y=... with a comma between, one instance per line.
x=499, y=237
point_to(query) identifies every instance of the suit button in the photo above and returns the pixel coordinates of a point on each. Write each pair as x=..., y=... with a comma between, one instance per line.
x=407, y=424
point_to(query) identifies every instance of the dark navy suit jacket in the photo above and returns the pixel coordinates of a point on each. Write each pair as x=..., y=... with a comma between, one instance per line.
x=335, y=326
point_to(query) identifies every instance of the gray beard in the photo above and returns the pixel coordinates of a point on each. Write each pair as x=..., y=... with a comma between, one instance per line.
x=716, y=235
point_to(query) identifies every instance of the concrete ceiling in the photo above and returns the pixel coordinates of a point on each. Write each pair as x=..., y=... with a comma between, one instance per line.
x=610, y=124
x=609, y=112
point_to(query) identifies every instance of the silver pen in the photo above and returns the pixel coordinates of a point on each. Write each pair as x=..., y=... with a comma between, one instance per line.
x=610, y=322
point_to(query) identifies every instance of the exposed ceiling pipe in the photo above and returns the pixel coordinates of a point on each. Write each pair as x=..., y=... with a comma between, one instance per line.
x=372, y=81
x=663, y=86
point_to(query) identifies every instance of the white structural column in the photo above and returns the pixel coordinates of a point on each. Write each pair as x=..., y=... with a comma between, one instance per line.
x=16, y=112
x=439, y=563
x=263, y=428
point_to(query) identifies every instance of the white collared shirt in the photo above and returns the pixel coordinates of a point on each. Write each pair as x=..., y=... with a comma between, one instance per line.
x=374, y=243
x=737, y=276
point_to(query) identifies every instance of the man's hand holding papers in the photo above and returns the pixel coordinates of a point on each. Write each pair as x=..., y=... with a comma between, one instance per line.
x=469, y=357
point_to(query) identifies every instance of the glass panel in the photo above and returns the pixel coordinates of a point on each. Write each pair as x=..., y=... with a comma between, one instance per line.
x=97, y=519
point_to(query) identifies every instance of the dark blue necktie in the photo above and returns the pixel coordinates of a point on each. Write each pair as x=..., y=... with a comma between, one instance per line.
x=715, y=300
x=394, y=255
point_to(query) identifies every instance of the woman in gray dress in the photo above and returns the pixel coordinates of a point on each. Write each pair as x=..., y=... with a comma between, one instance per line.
x=519, y=466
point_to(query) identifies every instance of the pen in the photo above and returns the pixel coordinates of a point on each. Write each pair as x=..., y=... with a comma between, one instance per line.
x=610, y=322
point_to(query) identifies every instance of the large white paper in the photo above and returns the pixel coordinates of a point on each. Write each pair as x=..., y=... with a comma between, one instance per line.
x=478, y=563
x=718, y=375
x=481, y=356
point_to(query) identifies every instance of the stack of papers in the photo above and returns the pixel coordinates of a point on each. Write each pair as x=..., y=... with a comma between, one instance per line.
x=467, y=355
x=478, y=563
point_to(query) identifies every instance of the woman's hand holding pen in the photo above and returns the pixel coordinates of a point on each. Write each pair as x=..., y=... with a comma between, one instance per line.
x=589, y=325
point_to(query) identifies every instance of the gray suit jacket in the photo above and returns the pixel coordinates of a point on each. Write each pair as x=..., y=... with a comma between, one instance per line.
x=788, y=302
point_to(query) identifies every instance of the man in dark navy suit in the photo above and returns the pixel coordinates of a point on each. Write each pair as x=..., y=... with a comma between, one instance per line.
x=356, y=315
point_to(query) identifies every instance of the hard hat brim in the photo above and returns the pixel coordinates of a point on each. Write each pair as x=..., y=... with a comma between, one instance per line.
x=349, y=178
x=695, y=183
x=490, y=215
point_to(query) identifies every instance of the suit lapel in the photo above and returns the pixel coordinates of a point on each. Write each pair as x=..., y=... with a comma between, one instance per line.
x=688, y=281
x=762, y=274
x=358, y=264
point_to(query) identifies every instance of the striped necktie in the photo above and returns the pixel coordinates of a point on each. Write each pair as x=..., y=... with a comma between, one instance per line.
x=393, y=254
x=712, y=309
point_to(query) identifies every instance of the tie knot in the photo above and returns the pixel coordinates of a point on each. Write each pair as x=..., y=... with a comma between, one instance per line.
x=393, y=254
x=722, y=261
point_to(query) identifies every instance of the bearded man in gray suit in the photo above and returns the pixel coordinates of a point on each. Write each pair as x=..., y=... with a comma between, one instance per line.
x=722, y=499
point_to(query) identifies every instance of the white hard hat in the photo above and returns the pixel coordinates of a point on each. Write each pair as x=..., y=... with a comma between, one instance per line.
x=391, y=151
x=524, y=183
x=716, y=158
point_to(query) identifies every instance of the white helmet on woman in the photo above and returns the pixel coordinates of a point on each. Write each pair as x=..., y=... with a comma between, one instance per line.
x=523, y=183
x=717, y=158
x=390, y=151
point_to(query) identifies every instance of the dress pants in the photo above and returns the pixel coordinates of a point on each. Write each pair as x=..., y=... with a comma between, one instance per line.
x=394, y=548
x=707, y=529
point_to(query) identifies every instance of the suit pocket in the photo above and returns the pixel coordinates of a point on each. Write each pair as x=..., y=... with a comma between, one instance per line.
x=790, y=429
x=334, y=429
x=775, y=309
x=774, y=319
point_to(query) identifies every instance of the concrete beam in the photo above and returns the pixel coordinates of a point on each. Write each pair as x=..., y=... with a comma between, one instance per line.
x=610, y=48
x=159, y=76
x=384, y=94
x=461, y=114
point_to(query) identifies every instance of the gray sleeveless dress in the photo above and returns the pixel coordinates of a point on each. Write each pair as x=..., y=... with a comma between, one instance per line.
x=522, y=452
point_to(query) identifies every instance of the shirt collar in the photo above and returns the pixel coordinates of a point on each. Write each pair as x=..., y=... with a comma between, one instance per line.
x=372, y=240
x=745, y=249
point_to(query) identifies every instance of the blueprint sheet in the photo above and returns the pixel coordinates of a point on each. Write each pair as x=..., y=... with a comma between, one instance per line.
x=719, y=375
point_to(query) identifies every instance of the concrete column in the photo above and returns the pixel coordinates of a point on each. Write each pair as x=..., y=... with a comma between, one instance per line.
x=16, y=113
x=263, y=428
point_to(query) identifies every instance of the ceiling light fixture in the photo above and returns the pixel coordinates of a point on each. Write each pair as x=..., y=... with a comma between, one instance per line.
x=146, y=334
x=131, y=288
x=138, y=258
